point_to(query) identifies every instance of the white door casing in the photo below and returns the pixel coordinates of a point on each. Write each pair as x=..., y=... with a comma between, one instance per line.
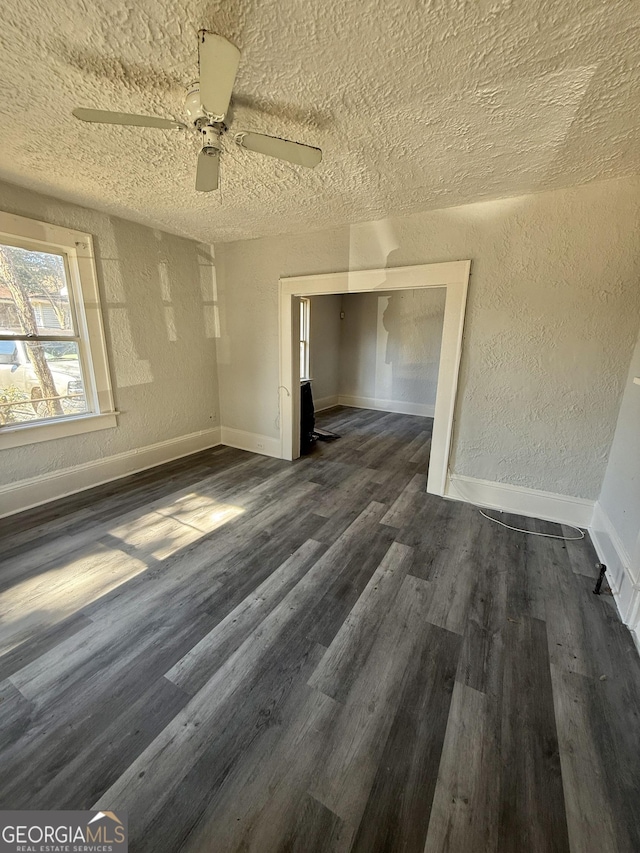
x=452, y=275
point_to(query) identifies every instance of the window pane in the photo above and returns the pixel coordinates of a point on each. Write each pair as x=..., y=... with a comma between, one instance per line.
x=34, y=299
x=303, y=360
x=39, y=380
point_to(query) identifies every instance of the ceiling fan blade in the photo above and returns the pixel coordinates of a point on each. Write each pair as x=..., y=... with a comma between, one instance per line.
x=219, y=60
x=283, y=149
x=129, y=119
x=207, y=172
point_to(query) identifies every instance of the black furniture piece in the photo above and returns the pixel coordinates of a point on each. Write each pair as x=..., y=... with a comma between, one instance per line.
x=307, y=417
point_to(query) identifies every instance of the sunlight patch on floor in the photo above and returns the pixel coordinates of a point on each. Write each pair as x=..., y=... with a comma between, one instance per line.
x=56, y=593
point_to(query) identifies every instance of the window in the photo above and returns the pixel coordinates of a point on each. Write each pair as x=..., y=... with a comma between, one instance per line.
x=54, y=377
x=305, y=307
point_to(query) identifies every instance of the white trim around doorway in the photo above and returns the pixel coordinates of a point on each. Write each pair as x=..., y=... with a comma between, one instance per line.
x=452, y=275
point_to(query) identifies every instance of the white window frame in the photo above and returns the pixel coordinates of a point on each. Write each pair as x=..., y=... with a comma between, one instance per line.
x=305, y=327
x=77, y=249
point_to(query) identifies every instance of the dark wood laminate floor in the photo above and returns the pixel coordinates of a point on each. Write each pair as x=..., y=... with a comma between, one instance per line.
x=250, y=655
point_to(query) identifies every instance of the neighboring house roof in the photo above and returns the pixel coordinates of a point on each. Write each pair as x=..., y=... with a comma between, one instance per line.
x=6, y=296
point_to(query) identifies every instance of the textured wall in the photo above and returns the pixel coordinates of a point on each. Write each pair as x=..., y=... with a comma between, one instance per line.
x=620, y=496
x=158, y=298
x=324, y=346
x=248, y=349
x=553, y=314
x=390, y=345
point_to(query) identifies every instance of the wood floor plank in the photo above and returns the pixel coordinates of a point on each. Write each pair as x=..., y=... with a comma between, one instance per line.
x=41, y=602
x=355, y=555
x=264, y=709
x=236, y=704
x=384, y=491
x=453, y=571
x=591, y=820
x=615, y=716
x=429, y=532
x=481, y=664
x=354, y=488
x=401, y=511
x=344, y=783
x=581, y=553
x=328, y=472
x=38, y=643
x=345, y=657
x=417, y=443
x=385, y=424
x=527, y=578
x=396, y=480
x=263, y=801
x=316, y=828
x=110, y=751
x=599, y=738
x=466, y=806
x=342, y=591
x=532, y=811
x=397, y=813
x=192, y=671
x=421, y=455
x=62, y=727
x=578, y=638
x=15, y=714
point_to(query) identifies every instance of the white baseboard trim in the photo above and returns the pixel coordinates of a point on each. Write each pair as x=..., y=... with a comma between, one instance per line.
x=623, y=576
x=396, y=406
x=323, y=403
x=520, y=500
x=25, y=494
x=263, y=444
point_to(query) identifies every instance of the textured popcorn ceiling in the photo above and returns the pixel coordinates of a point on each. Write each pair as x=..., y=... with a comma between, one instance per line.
x=417, y=104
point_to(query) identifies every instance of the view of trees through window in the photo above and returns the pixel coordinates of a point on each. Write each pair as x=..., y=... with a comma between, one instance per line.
x=40, y=367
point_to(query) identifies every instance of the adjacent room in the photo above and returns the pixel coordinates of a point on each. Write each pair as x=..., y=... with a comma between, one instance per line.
x=378, y=350
x=320, y=427
x=373, y=351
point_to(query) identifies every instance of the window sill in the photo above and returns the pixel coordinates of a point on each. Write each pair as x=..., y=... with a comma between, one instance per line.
x=22, y=434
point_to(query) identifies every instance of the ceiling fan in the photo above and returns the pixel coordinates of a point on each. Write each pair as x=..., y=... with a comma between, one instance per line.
x=207, y=105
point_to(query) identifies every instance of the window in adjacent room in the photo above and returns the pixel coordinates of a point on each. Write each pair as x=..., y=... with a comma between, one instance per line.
x=54, y=377
x=305, y=309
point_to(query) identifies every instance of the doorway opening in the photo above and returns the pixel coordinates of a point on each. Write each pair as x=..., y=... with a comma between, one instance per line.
x=453, y=277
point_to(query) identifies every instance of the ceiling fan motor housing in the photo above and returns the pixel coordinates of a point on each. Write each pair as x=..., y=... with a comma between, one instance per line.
x=210, y=139
x=192, y=105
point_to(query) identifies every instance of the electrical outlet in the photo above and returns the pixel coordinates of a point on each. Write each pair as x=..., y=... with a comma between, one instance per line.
x=259, y=445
